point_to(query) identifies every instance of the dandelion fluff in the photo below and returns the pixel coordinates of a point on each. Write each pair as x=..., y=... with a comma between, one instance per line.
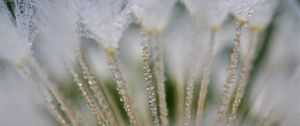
x=211, y=12
x=154, y=14
x=57, y=26
x=12, y=48
x=57, y=36
x=24, y=13
x=243, y=9
x=106, y=20
x=264, y=12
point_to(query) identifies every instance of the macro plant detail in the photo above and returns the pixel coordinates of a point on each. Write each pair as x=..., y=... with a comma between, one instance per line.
x=149, y=62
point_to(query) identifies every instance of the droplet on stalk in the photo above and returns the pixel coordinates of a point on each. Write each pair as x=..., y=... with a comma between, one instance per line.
x=160, y=77
x=244, y=76
x=96, y=91
x=88, y=97
x=113, y=62
x=148, y=78
x=231, y=74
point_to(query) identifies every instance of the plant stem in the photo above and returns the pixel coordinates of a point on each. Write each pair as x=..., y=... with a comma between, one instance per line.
x=96, y=91
x=180, y=91
x=189, y=95
x=244, y=76
x=231, y=74
x=53, y=105
x=113, y=63
x=72, y=115
x=205, y=78
x=113, y=103
x=160, y=78
x=148, y=78
x=88, y=97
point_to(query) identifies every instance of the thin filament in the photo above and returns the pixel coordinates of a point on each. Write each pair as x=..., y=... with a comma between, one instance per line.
x=52, y=103
x=244, y=76
x=231, y=74
x=121, y=87
x=148, y=78
x=205, y=79
x=189, y=95
x=96, y=91
x=74, y=118
x=160, y=78
x=89, y=99
x=180, y=91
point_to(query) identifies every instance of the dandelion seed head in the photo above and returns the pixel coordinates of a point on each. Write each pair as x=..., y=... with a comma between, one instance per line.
x=105, y=19
x=57, y=27
x=57, y=39
x=24, y=14
x=176, y=63
x=212, y=12
x=13, y=47
x=263, y=13
x=243, y=9
x=154, y=14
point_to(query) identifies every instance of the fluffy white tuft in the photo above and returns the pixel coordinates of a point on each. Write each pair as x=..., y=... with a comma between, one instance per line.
x=243, y=9
x=211, y=12
x=264, y=12
x=105, y=19
x=154, y=14
x=13, y=47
